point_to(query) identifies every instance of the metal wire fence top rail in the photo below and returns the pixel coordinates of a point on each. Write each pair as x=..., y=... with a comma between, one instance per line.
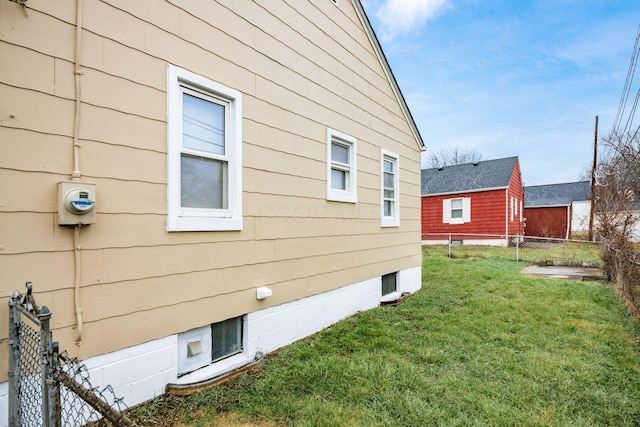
x=525, y=248
x=47, y=388
x=80, y=401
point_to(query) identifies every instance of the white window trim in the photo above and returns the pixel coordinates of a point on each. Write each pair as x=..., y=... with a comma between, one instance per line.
x=351, y=194
x=394, y=293
x=394, y=219
x=466, y=211
x=521, y=207
x=179, y=219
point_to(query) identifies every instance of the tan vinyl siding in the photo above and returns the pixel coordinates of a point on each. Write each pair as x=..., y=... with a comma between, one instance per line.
x=302, y=67
x=38, y=111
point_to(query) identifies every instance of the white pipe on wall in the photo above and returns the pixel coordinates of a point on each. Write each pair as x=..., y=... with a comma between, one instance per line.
x=76, y=174
x=76, y=290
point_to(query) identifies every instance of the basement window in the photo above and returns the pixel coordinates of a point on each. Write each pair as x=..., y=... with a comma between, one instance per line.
x=226, y=338
x=389, y=283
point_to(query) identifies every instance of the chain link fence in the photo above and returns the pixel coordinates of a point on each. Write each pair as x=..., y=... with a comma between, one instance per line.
x=524, y=248
x=28, y=383
x=46, y=388
x=622, y=266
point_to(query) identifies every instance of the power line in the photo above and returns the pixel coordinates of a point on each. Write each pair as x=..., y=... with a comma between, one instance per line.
x=627, y=86
x=632, y=113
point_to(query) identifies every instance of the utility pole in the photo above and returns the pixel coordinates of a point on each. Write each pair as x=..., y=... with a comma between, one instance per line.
x=592, y=211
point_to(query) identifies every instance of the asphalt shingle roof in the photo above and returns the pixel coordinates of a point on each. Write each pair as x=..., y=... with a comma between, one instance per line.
x=483, y=175
x=556, y=194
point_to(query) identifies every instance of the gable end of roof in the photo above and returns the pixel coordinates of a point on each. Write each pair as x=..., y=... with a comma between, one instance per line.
x=387, y=70
x=468, y=177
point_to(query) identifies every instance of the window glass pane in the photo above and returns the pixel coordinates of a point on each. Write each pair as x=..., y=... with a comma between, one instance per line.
x=456, y=204
x=226, y=338
x=388, y=166
x=456, y=213
x=388, y=208
x=388, y=194
x=338, y=179
x=388, y=180
x=389, y=283
x=202, y=125
x=339, y=153
x=202, y=183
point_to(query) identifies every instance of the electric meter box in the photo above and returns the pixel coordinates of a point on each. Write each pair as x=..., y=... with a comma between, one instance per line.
x=76, y=203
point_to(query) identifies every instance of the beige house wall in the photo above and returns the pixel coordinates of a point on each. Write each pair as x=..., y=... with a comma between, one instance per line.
x=301, y=66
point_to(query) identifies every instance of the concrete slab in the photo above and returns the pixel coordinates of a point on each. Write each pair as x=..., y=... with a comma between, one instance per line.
x=565, y=272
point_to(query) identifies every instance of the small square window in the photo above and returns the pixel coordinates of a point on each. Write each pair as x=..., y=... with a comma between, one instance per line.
x=341, y=167
x=389, y=283
x=456, y=211
x=226, y=338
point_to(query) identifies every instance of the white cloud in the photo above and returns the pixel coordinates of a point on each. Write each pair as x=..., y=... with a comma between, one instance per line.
x=401, y=16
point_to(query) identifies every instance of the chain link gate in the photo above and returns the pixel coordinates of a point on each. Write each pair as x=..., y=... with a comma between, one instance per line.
x=46, y=388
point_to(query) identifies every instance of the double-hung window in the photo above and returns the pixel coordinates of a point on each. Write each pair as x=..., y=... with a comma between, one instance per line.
x=456, y=211
x=341, y=167
x=204, y=154
x=390, y=189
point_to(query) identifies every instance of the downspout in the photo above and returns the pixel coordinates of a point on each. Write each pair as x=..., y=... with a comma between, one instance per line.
x=76, y=174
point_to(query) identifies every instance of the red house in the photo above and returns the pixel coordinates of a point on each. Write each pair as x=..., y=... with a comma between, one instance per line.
x=480, y=202
x=558, y=210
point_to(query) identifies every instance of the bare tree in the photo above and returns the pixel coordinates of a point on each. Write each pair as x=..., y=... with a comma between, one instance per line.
x=624, y=156
x=618, y=185
x=452, y=156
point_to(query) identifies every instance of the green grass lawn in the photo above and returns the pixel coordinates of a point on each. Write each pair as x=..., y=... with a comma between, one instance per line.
x=479, y=345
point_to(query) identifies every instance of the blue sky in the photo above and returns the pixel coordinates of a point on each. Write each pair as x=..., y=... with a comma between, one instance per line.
x=511, y=77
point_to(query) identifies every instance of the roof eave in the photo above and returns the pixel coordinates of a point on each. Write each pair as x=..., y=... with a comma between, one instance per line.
x=559, y=205
x=479, y=190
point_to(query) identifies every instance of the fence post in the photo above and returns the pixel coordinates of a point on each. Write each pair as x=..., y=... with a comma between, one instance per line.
x=45, y=349
x=620, y=276
x=14, y=358
x=517, y=248
x=55, y=403
x=449, y=245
